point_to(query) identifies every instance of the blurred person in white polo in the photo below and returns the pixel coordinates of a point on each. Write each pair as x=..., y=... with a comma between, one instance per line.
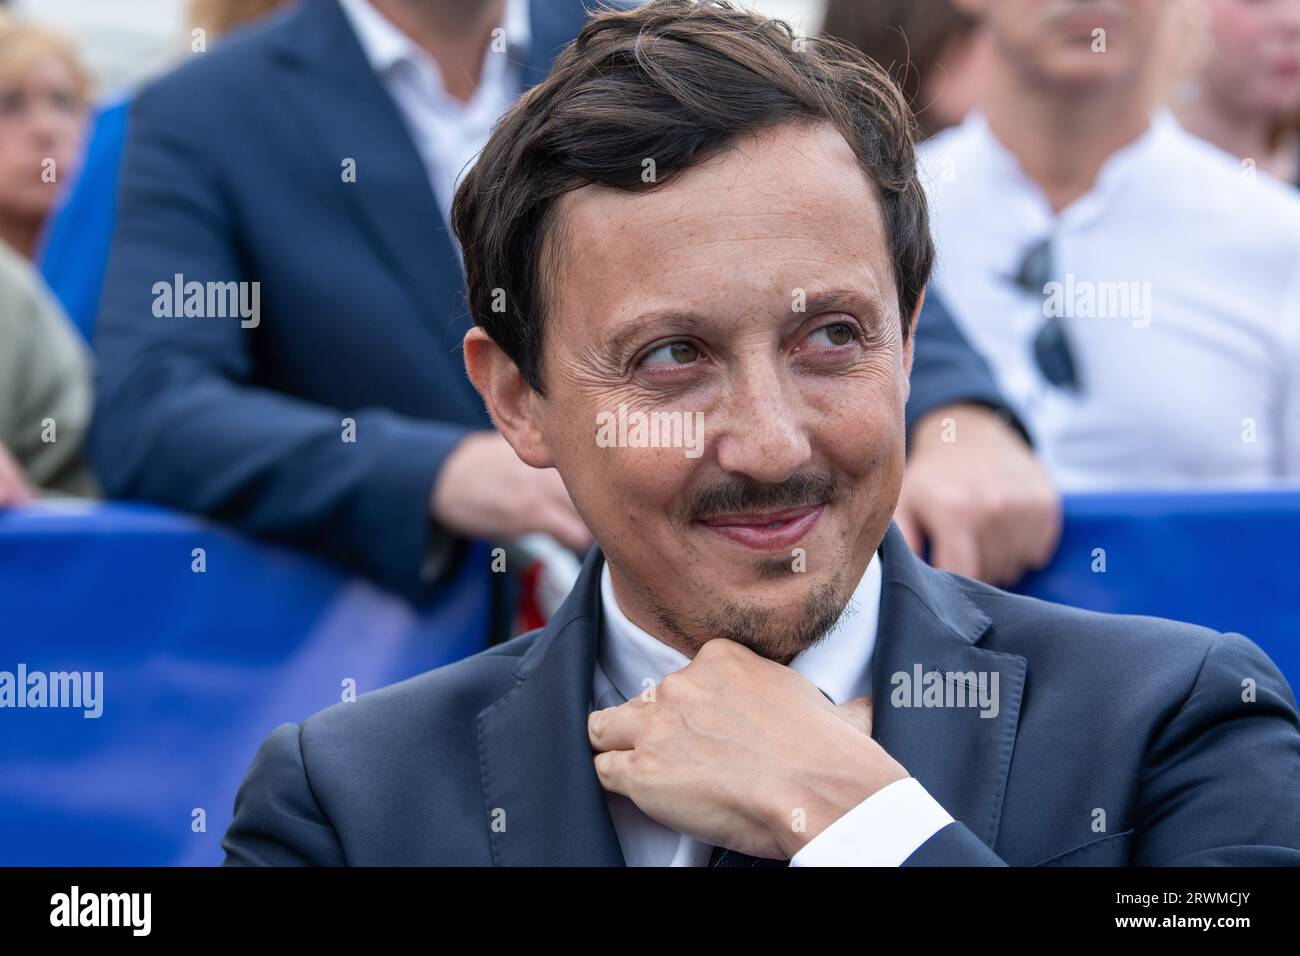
x=1136, y=290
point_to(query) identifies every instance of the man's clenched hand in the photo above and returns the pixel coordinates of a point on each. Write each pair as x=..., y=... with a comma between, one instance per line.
x=741, y=752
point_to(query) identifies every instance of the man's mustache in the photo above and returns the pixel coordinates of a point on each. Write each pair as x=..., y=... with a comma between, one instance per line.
x=740, y=495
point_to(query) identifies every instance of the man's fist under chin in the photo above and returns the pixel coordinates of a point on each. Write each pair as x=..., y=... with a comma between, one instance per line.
x=741, y=752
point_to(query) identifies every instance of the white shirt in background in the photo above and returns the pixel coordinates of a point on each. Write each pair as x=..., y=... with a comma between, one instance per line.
x=1197, y=382
x=447, y=133
x=883, y=830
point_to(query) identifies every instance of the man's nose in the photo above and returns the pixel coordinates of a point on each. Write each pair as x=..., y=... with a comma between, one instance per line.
x=764, y=436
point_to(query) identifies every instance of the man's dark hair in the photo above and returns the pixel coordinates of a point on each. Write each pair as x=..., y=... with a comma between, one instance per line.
x=675, y=81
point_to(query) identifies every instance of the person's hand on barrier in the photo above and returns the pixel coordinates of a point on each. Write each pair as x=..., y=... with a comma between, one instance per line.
x=975, y=492
x=485, y=491
x=14, y=489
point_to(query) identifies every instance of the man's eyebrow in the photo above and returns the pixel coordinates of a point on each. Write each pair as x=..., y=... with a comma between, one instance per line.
x=685, y=323
x=688, y=323
x=845, y=300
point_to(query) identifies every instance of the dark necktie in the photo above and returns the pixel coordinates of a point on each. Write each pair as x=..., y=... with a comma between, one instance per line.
x=723, y=857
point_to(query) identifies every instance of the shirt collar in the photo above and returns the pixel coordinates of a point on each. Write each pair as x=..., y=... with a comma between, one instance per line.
x=839, y=664
x=1115, y=173
x=385, y=45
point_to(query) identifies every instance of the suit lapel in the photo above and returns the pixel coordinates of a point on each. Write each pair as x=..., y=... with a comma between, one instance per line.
x=961, y=758
x=539, y=780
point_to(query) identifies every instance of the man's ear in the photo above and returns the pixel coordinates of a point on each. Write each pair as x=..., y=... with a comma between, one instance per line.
x=909, y=347
x=511, y=401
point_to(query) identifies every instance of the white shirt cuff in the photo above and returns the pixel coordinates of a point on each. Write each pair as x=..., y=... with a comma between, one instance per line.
x=883, y=830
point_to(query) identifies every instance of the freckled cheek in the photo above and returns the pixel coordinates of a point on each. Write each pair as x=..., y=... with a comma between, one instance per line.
x=623, y=491
x=651, y=479
x=856, y=450
x=856, y=422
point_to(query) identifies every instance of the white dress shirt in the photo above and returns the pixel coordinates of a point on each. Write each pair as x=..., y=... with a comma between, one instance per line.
x=447, y=133
x=1197, y=382
x=883, y=830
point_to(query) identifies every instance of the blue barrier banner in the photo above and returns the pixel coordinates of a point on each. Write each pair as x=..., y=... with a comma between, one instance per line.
x=1229, y=561
x=197, y=666
x=199, y=662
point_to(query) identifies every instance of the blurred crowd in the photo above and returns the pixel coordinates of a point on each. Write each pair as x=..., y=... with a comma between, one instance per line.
x=245, y=269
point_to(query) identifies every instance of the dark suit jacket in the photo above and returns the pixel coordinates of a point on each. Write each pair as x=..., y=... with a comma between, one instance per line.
x=233, y=172
x=1138, y=718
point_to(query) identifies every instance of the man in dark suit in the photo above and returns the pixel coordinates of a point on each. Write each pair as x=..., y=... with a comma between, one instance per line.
x=715, y=357
x=314, y=155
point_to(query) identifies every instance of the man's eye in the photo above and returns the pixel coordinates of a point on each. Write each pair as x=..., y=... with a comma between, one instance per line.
x=832, y=335
x=674, y=353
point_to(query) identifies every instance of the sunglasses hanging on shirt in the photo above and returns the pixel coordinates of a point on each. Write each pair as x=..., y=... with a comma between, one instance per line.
x=1052, y=351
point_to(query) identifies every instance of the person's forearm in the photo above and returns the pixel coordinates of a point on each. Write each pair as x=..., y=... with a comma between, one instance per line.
x=278, y=467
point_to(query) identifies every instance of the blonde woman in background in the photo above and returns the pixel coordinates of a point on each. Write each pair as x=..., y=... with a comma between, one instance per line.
x=1245, y=97
x=44, y=99
x=44, y=367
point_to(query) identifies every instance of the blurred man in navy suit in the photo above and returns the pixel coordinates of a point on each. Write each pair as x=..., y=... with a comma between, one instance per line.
x=306, y=166
x=703, y=697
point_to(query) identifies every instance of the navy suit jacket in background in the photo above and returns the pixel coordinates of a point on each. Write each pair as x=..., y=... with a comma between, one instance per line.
x=1117, y=741
x=233, y=172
